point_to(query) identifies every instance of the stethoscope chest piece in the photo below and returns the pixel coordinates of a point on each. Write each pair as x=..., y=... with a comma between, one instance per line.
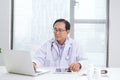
x=67, y=57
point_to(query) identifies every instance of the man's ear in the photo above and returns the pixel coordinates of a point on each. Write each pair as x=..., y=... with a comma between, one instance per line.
x=68, y=31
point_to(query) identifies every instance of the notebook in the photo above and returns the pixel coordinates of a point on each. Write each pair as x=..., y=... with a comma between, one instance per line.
x=20, y=62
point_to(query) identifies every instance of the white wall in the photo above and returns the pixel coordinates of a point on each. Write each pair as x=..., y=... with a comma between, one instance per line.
x=114, y=38
x=5, y=23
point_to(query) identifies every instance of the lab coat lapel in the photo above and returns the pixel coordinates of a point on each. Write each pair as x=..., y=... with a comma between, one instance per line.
x=55, y=47
x=54, y=44
x=54, y=53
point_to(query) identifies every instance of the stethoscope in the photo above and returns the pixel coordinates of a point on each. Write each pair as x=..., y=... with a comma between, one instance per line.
x=67, y=56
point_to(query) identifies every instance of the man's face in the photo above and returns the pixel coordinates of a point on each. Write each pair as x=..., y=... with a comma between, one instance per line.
x=60, y=32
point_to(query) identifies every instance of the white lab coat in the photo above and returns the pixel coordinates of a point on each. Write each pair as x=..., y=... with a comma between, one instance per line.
x=47, y=54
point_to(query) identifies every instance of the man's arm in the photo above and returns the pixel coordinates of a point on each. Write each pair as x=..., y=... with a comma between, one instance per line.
x=39, y=56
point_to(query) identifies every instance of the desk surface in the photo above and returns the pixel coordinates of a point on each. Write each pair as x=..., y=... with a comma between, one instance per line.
x=113, y=74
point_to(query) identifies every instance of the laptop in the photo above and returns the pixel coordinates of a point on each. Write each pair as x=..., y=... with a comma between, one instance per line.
x=20, y=62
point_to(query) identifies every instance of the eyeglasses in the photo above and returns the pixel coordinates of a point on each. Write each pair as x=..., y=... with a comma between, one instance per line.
x=58, y=30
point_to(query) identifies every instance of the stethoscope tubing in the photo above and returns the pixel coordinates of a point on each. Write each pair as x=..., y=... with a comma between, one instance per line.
x=68, y=54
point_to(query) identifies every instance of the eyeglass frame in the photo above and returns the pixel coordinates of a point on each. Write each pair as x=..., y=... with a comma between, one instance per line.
x=59, y=30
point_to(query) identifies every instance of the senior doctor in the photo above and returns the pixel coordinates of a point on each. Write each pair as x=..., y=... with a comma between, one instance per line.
x=60, y=51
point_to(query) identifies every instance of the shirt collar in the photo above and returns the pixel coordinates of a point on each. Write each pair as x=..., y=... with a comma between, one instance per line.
x=59, y=44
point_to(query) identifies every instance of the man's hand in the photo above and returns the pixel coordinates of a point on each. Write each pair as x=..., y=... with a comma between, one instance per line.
x=74, y=67
x=34, y=65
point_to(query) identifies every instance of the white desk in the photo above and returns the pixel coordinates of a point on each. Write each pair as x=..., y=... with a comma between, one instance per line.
x=113, y=74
